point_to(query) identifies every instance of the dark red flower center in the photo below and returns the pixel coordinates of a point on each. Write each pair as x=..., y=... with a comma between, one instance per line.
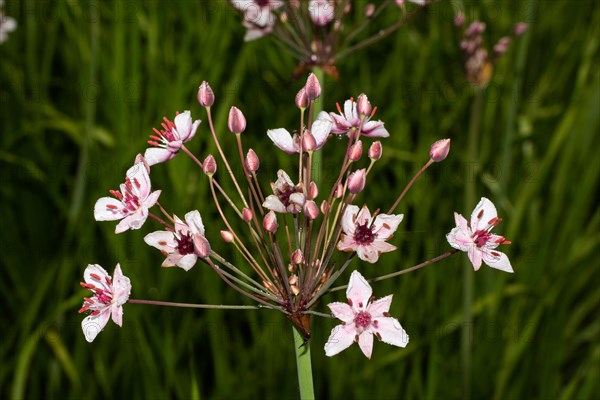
x=364, y=234
x=481, y=237
x=185, y=244
x=363, y=319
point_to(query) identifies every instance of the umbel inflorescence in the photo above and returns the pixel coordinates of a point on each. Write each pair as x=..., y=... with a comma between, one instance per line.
x=300, y=236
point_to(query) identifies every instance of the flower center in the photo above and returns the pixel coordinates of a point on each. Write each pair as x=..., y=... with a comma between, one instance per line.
x=481, y=237
x=363, y=234
x=185, y=244
x=362, y=319
x=262, y=3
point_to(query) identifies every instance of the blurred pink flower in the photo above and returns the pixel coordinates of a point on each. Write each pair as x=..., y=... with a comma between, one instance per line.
x=320, y=130
x=349, y=119
x=286, y=196
x=259, y=18
x=321, y=12
x=169, y=140
x=362, y=318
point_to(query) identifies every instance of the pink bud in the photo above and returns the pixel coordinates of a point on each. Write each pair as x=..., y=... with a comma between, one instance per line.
x=295, y=290
x=355, y=151
x=246, y=214
x=293, y=279
x=311, y=210
x=520, y=28
x=252, y=161
x=313, y=190
x=270, y=222
x=312, y=87
x=375, y=151
x=227, y=236
x=236, y=121
x=140, y=159
x=339, y=191
x=209, y=166
x=459, y=19
x=369, y=10
x=206, y=96
x=201, y=246
x=502, y=46
x=363, y=105
x=301, y=99
x=324, y=206
x=297, y=257
x=321, y=11
x=357, y=180
x=308, y=141
x=439, y=150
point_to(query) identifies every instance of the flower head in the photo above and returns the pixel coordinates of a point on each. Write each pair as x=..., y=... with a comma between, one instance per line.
x=286, y=196
x=107, y=301
x=321, y=12
x=475, y=238
x=367, y=235
x=167, y=142
x=259, y=18
x=349, y=120
x=185, y=245
x=320, y=130
x=131, y=204
x=362, y=318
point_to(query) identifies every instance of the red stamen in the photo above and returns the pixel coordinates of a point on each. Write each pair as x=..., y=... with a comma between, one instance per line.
x=95, y=312
x=350, y=302
x=96, y=277
x=373, y=112
x=83, y=309
x=337, y=105
x=480, y=214
x=136, y=183
x=111, y=207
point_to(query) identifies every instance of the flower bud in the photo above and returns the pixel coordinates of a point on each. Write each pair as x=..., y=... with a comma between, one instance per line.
x=270, y=222
x=357, y=180
x=312, y=87
x=295, y=290
x=308, y=141
x=252, y=161
x=311, y=210
x=313, y=190
x=324, y=206
x=375, y=151
x=355, y=151
x=206, y=96
x=246, y=214
x=339, y=191
x=502, y=46
x=297, y=257
x=520, y=28
x=301, y=99
x=459, y=19
x=321, y=11
x=140, y=159
x=293, y=279
x=369, y=10
x=209, y=166
x=363, y=106
x=439, y=150
x=227, y=236
x=236, y=121
x=201, y=246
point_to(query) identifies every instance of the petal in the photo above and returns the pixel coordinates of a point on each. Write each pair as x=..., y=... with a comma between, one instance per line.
x=283, y=179
x=183, y=125
x=346, y=244
x=117, y=314
x=194, y=221
x=368, y=254
x=297, y=198
x=386, y=224
x=132, y=221
x=374, y=129
x=341, y=311
x=180, y=226
x=187, y=262
x=350, y=111
x=272, y=202
x=104, y=209
x=162, y=240
x=459, y=240
x=483, y=214
x=96, y=270
x=380, y=306
x=321, y=129
x=349, y=219
x=192, y=133
x=121, y=287
x=497, y=260
x=359, y=291
x=92, y=325
x=156, y=155
x=461, y=222
x=342, y=336
x=282, y=139
x=151, y=199
x=363, y=216
x=172, y=260
x=382, y=247
x=138, y=174
x=475, y=256
x=390, y=331
x=365, y=342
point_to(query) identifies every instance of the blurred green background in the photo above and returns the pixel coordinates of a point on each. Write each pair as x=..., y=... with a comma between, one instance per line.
x=82, y=84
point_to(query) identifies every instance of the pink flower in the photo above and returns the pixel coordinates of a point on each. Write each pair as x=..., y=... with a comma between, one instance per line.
x=321, y=12
x=286, y=197
x=475, y=237
x=108, y=299
x=185, y=245
x=320, y=130
x=366, y=235
x=131, y=204
x=362, y=318
x=349, y=119
x=169, y=140
x=258, y=16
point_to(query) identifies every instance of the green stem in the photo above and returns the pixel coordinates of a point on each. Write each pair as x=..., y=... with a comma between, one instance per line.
x=305, y=380
x=317, y=157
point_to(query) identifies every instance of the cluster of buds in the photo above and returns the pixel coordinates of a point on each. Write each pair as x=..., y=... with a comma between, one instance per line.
x=314, y=30
x=478, y=62
x=298, y=239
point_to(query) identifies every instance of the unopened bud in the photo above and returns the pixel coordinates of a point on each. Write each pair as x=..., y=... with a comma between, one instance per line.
x=324, y=206
x=520, y=28
x=270, y=222
x=206, y=96
x=209, y=166
x=357, y=180
x=252, y=161
x=308, y=141
x=311, y=210
x=312, y=87
x=295, y=290
x=227, y=236
x=502, y=46
x=363, y=106
x=369, y=10
x=236, y=121
x=201, y=246
x=339, y=191
x=297, y=257
x=313, y=190
x=140, y=159
x=246, y=214
x=301, y=99
x=375, y=151
x=293, y=279
x=321, y=11
x=355, y=151
x=439, y=150
x=459, y=19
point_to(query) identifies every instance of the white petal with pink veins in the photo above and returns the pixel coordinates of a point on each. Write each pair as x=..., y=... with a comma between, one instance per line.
x=104, y=209
x=497, y=260
x=194, y=221
x=282, y=139
x=365, y=342
x=132, y=221
x=183, y=125
x=461, y=222
x=121, y=286
x=346, y=243
x=350, y=111
x=378, y=307
x=475, y=256
x=488, y=212
x=386, y=224
x=321, y=129
x=140, y=180
x=341, y=311
x=382, y=247
x=364, y=216
x=349, y=218
x=342, y=336
x=151, y=199
x=96, y=270
x=272, y=202
x=368, y=254
x=156, y=155
x=117, y=314
x=92, y=325
x=459, y=239
x=187, y=262
x=172, y=260
x=359, y=291
x=391, y=331
x=162, y=240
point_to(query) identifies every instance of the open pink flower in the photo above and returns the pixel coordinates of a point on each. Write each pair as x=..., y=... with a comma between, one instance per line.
x=320, y=130
x=366, y=235
x=185, y=245
x=476, y=240
x=286, y=196
x=348, y=120
x=258, y=16
x=108, y=299
x=169, y=140
x=131, y=204
x=362, y=318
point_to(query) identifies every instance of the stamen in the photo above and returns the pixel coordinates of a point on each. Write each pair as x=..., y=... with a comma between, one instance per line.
x=480, y=214
x=373, y=112
x=83, y=309
x=96, y=277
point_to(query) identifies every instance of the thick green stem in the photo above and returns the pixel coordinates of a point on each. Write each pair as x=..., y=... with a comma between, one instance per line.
x=317, y=157
x=305, y=380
